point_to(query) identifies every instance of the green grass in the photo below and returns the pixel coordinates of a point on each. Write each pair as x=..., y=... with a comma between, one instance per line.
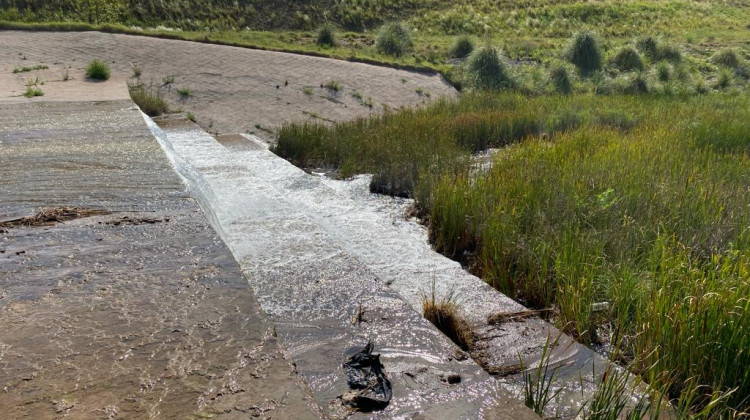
x=639, y=201
x=29, y=68
x=185, y=92
x=151, y=103
x=32, y=91
x=98, y=70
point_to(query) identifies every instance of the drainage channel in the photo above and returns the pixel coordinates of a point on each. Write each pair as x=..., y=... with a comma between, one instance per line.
x=326, y=304
x=320, y=253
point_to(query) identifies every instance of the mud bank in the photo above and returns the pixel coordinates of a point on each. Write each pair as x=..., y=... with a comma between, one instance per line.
x=137, y=310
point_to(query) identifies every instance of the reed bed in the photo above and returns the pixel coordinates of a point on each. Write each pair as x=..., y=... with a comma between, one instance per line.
x=627, y=213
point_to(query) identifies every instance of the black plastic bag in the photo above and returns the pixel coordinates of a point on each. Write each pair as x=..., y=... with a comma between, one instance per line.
x=369, y=387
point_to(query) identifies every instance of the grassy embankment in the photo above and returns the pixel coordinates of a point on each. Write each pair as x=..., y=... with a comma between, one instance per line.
x=530, y=33
x=637, y=201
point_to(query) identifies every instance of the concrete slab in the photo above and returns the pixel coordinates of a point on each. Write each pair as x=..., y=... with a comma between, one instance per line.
x=138, y=313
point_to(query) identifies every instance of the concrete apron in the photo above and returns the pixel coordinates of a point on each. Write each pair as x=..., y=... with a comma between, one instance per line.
x=317, y=252
x=137, y=312
x=315, y=289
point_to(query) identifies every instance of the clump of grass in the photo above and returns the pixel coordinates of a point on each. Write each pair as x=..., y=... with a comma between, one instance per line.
x=185, y=92
x=627, y=59
x=585, y=53
x=307, y=91
x=637, y=85
x=98, y=70
x=151, y=103
x=462, y=47
x=487, y=71
x=728, y=58
x=326, y=35
x=167, y=80
x=724, y=80
x=190, y=116
x=33, y=91
x=561, y=79
x=29, y=68
x=137, y=71
x=394, y=39
x=656, y=50
x=333, y=85
x=537, y=389
x=663, y=72
x=443, y=313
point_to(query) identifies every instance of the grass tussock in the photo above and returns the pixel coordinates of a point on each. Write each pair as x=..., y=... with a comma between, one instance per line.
x=151, y=103
x=394, y=39
x=487, y=70
x=326, y=36
x=98, y=70
x=638, y=201
x=462, y=47
x=585, y=53
x=443, y=313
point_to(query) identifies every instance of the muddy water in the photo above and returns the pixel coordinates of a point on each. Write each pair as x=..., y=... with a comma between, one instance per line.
x=325, y=302
x=140, y=313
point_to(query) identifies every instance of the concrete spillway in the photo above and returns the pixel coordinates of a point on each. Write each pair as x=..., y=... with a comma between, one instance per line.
x=317, y=251
x=136, y=311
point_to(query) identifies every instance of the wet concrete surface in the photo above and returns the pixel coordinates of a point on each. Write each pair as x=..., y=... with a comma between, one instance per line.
x=140, y=313
x=326, y=303
x=260, y=200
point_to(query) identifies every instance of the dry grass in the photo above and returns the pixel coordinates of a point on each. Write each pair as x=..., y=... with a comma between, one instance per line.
x=51, y=216
x=443, y=314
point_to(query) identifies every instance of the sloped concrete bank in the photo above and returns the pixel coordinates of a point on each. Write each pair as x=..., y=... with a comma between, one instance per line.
x=317, y=251
x=135, y=309
x=325, y=302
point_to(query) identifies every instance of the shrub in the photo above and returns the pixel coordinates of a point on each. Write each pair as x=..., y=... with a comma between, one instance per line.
x=561, y=79
x=463, y=46
x=585, y=53
x=487, y=71
x=152, y=104
x=727, y=57
x=394, y=39
x=326, y=36
x=97, y=70
x=627, y=59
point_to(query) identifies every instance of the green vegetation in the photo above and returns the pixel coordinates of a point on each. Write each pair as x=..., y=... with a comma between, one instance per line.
x=32, y=91
x=185, y=92
x=585, y=53
x=29, y=68
x=638, y=201
x=727, y=58
x=97, y=70
x=151, y=103
x=561, y=79
x=486, y=70
x=463, y=46
x=332, y=85
x=627, y=59
x=326, y=35
x=394, y=39
x=137, y=71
